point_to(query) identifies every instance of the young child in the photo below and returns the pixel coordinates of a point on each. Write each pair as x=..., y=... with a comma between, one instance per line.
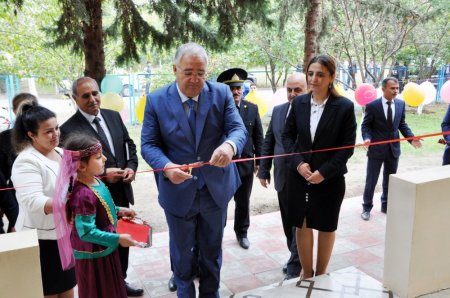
x=91, y=210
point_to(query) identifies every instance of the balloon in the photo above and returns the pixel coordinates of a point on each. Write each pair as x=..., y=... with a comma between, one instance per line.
x=429, y=90
x=365, y=93
x=140, y=108
x=413, y=95
x=112, y=101
x=445, y=92
x=340, y=90
x=111, y=83
x=257, y=99
x=279, y=97
x=379, y=92
x=125, y=113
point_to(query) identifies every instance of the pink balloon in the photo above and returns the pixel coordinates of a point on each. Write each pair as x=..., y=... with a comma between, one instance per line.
x=445, y=92
x=279, y=97
x=365, y=93
x=125, y=113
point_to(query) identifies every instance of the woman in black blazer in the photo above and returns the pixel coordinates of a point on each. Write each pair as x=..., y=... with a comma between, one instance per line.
x=320, y=119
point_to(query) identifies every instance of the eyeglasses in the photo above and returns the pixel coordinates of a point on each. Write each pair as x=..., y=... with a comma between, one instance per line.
x=190, y=73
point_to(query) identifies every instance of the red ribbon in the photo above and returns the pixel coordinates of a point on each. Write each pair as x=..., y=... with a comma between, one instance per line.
x=197, y=165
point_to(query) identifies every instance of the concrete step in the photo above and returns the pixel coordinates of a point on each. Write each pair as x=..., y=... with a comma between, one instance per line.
x=347, y=282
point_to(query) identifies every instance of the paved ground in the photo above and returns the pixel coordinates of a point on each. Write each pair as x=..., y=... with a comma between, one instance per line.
x=358, y=243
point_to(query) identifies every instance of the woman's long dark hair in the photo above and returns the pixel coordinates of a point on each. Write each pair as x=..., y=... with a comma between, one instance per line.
x=329, y=63
x=29, y=120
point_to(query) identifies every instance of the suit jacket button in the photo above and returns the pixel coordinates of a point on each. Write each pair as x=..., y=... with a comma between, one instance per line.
x=195, y=178
x=198, y=158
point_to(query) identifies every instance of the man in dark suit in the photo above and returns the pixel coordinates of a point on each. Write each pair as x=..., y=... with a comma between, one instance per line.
x=383, y=119
x=121, y=163
x=445, y=125
x=234, y=78
x=186, y=123
x=273, y=145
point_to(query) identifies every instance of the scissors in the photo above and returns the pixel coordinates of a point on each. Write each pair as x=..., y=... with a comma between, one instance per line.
x=188, y=168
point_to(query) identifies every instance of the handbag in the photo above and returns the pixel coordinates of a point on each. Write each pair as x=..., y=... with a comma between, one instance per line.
x=137, y=228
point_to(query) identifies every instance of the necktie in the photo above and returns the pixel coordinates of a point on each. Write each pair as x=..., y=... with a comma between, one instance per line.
x=389, y=114
x=101, y=132
x=191, y=115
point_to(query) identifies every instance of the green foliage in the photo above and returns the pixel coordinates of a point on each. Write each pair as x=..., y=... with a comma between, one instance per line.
x=24, y=50
x=210, y=22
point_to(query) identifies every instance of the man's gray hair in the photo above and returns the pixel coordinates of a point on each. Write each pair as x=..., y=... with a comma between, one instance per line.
x=191, y=49
x=78, y=81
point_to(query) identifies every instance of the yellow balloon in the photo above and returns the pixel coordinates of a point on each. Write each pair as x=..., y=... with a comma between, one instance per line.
x=140, y=108
x=413, y=95
x=340, y=90
x=112, y=101
x=254, y=97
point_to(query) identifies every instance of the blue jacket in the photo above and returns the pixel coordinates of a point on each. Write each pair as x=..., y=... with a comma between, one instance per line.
x=446, y=127
x=166, y=137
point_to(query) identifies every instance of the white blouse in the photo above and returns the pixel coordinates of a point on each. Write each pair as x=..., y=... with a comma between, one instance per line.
x=316, y=114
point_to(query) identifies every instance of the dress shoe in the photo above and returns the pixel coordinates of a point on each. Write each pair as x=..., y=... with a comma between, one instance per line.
x=133, y=292
x=172, y=285
x=365, y=215
x=243, y=242
x=285, y=268
x=383, y=210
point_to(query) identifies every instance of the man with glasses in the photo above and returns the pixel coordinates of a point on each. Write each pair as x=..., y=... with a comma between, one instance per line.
x=120, y=151
x=234, y=78
x=192, y=130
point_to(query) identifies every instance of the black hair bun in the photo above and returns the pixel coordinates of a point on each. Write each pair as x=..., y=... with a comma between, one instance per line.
x=28, y=105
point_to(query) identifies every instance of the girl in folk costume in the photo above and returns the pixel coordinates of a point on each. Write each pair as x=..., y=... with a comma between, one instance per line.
x=86, y=219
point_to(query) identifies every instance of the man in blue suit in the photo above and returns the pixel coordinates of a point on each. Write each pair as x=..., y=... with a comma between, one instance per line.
x=194, y=121
x=445, y=125
x=383, y=119
x=273, y=145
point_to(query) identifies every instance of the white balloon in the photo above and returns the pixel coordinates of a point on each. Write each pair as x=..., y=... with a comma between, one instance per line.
x=430, y=92
x=379, y=92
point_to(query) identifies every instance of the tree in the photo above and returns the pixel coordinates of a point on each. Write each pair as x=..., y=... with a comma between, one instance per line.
x=376, y=30
x=24, y=49
x=427, y=47
x=214, y=23
x=311, y=31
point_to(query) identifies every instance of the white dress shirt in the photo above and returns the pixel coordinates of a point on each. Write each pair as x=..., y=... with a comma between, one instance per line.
x=316, y=114
x=385, y=107
x=184, y=98
x=90, y=118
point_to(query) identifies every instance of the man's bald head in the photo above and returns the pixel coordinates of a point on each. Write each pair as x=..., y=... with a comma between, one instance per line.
x=295, y=85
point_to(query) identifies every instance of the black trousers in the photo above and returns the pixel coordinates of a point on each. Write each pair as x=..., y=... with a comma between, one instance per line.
x=242, y=209
x=390, y=165
x=293, y=264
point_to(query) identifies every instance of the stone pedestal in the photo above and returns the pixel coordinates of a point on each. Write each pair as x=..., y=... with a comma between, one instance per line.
x=417, y=247
x=20, y=268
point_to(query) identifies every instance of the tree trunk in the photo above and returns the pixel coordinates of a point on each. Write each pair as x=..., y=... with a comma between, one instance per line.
x=311, y=32
x=94, y=55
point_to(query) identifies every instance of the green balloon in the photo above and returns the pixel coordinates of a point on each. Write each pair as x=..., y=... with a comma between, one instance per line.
x=111, y=83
